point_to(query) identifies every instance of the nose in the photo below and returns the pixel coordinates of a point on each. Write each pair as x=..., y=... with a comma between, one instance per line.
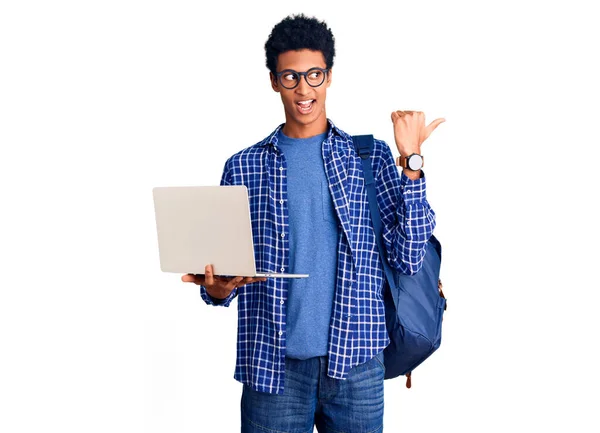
x=303, y=88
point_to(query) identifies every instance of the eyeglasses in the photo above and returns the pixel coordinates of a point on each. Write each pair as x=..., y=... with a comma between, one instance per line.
x=290, y=78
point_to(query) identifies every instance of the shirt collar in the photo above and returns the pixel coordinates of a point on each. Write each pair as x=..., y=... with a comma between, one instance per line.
x=271, y=140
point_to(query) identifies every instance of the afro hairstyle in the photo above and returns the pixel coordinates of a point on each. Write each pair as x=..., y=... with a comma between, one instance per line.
x=297, y=32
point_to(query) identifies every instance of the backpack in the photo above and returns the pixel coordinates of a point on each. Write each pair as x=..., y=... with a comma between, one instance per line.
x=414, y=304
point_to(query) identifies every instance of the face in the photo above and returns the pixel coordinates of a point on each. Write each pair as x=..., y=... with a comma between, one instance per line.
x=304, y=105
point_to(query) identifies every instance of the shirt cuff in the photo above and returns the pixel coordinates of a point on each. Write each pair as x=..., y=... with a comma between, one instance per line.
x=413, y=191
x=214, y=301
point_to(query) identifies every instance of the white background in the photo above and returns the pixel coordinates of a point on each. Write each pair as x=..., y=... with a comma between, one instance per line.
x=101, y=101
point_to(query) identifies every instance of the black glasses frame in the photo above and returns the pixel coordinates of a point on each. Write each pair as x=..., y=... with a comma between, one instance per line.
x=304, y=74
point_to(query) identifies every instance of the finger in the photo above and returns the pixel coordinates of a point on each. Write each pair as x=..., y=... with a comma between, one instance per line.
x=188, y=278
x=396, y=115
x=256, y=279
x=250, y=280
x=244, y=281
x=234, y=282
x=210, y=278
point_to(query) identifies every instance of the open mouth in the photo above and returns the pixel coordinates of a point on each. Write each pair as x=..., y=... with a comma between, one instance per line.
x=305, y=107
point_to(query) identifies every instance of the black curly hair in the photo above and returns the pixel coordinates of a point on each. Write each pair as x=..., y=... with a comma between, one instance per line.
x=297, y=32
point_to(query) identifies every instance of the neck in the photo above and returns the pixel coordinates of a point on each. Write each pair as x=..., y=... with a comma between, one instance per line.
x=298, y=130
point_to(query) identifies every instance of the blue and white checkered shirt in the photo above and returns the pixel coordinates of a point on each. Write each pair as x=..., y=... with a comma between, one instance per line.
x=357, y=331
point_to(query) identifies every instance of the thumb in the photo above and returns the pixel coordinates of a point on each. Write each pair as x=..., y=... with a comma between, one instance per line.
x=433, y=125
x=209, y=277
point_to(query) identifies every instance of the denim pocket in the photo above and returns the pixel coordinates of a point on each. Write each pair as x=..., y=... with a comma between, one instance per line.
x=379, y=358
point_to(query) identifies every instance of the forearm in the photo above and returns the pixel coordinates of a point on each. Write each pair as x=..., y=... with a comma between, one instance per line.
x=414, y=223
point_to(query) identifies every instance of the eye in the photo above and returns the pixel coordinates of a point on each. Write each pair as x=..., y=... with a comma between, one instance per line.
x=289, y=76
x=314, y=75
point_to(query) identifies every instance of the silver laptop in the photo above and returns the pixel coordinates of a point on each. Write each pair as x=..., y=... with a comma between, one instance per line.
x=202, y=225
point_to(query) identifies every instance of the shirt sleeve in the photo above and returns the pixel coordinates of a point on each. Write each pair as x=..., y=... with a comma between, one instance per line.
x=217, y=302
x=408, y=220
x=225, y=180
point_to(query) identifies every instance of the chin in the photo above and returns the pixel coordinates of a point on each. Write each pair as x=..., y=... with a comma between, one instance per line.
x=307, y=119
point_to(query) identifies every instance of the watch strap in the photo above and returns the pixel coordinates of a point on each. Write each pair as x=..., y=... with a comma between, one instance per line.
x=402, y=161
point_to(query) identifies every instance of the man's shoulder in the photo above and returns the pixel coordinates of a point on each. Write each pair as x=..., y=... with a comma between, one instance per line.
x=248, y=152
x=380, y=147
x=381, y=153
x=256, y=149
x=248, y=155
x=346, y=137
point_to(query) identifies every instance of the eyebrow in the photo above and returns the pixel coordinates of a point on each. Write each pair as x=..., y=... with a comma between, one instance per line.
x=312, y=67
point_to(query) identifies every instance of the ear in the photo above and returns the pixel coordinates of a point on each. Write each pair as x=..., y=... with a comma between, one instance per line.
x=274, y=82
x=329, y=77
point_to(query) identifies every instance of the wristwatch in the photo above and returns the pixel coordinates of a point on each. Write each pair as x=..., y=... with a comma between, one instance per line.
x=413, y=162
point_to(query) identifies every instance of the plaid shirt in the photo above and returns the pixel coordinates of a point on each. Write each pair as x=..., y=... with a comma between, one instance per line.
x=357, y=331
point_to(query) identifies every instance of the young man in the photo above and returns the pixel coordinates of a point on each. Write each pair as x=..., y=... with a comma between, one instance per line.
x=310, y=351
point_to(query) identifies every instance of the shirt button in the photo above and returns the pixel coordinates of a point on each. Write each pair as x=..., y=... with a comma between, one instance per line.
x=280, y=168
x=283, y=235
x=280, y=201
x=408, y=191
x=281, y=302
x=280, y=333
x=408, y=222
x=282, y=269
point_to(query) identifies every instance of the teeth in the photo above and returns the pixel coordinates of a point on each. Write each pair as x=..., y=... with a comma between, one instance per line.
x=305, y=102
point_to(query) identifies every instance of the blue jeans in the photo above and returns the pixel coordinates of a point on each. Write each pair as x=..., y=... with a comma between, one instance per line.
x=310, y=398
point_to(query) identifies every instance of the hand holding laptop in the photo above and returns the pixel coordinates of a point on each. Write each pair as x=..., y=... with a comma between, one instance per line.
x=218, y=287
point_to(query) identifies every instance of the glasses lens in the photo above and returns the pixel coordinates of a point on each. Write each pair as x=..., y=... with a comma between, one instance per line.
x=315, y=77
x=289, y=79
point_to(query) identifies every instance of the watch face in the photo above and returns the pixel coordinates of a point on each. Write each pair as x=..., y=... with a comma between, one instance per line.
x=415, y=162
